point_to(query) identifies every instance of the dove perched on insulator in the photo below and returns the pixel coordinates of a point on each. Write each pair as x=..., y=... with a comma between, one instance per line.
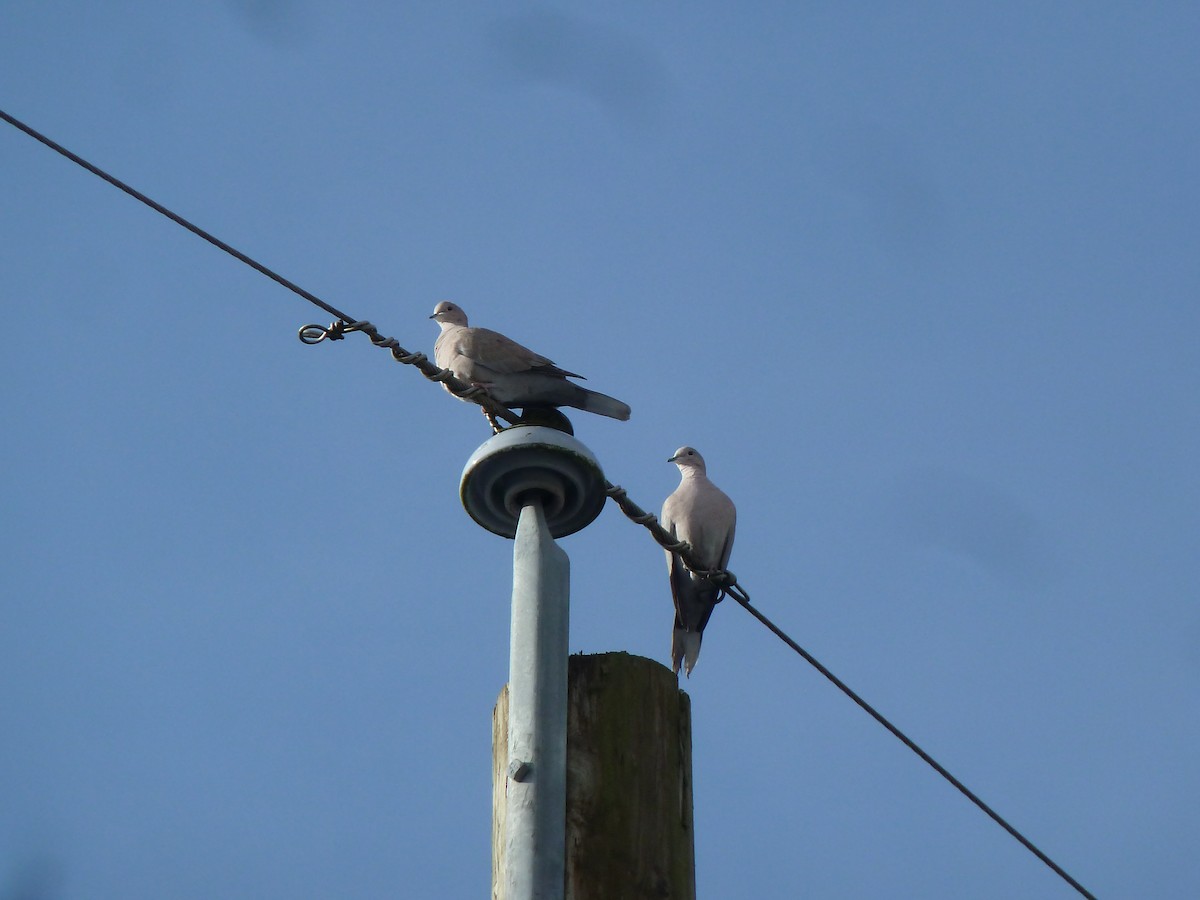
x=514, y=375
x=700, y=513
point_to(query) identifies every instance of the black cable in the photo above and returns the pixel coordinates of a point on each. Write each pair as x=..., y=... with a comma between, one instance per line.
x=634, y=512
x=177, y=219
x=728, y=583
x=744, y=600
x=310, y=334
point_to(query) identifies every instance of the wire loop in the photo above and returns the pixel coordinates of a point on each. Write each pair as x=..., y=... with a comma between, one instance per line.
x=314, y=334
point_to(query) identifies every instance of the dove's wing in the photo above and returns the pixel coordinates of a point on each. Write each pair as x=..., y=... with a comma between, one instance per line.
x=726, y=523
x=504, y=356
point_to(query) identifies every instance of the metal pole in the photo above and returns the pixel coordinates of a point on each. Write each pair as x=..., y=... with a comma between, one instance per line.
x=535, y=832
x=534, y=484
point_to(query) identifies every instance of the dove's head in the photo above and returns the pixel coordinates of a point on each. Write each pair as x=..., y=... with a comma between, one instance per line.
x=446, y=313
x=688, y=459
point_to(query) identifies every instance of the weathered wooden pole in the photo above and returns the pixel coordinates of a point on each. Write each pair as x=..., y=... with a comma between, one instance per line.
x=629, y=783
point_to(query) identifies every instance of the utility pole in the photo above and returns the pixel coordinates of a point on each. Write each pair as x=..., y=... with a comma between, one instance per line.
x=592, y=794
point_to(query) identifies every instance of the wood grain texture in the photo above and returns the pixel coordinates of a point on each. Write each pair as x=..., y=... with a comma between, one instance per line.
x=629, y=782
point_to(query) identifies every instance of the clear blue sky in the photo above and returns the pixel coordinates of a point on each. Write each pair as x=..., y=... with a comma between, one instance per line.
x=919, y=280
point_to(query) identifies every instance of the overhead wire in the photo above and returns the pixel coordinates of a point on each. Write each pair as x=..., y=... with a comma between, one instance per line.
x=177, y=219
x=722, y=578
x=309, y=334
x=728, y=583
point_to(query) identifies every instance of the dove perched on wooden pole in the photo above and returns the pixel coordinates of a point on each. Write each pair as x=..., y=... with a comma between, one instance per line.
x=700, y=513
x=514, y=375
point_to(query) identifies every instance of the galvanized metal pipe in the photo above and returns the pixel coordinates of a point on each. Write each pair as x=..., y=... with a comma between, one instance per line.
x=535, y=831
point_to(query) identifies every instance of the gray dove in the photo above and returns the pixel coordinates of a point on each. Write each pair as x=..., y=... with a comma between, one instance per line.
x=513, y=375
x=700, y=513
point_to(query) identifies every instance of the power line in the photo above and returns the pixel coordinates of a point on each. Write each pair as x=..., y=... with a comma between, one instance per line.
x=726, y=580
x=728, y=583
x=177, y=219
x=310, y=334
x=903, y=738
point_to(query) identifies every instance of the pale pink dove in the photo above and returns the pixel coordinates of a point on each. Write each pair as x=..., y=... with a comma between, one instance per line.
x=514, y=375
x=700, y=513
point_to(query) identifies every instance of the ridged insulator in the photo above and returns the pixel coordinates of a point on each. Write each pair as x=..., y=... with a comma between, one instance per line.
x=524, y=463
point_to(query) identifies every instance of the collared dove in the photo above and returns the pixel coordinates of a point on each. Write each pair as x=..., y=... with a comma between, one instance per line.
x=697, y=512
x=513, y=375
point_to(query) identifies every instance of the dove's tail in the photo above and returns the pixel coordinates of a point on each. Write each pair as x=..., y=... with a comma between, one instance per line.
x=685, y=649
x=602, y=404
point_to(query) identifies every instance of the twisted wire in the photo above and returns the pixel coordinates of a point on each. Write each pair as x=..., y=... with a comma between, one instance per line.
x=314, y=334
x=493, y=411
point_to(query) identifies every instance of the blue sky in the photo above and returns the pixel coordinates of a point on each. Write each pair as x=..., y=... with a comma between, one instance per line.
x=920, y=282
